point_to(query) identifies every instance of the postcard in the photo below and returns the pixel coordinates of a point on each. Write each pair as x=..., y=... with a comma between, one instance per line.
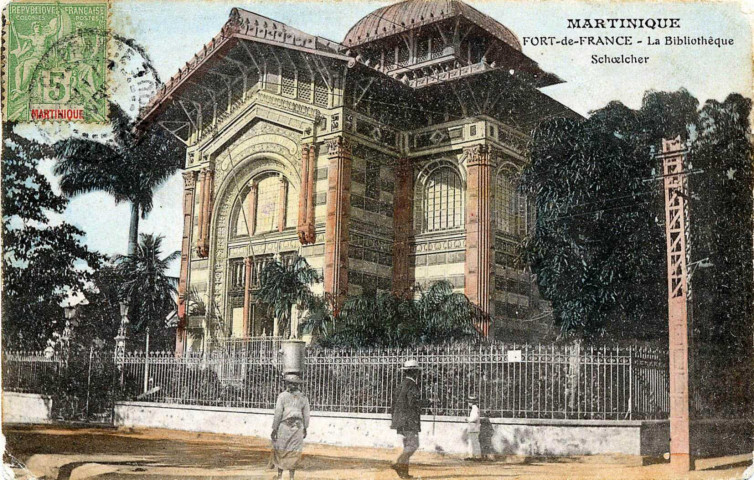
x=377, y=239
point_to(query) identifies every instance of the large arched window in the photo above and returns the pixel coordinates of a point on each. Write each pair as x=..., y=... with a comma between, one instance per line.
x=442, y=202
x=265, y=207
x=511, y=207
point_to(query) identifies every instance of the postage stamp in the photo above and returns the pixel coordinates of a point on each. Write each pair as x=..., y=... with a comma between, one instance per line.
x=56, y=61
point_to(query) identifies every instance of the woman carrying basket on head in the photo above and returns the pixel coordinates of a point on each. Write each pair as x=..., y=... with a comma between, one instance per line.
x=289, y=426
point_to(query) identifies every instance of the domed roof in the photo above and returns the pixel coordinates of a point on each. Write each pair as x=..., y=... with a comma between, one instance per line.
x=408, y=14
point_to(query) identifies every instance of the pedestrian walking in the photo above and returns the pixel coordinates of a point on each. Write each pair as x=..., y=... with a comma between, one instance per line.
x=474, y=426
x=407, y=405
x=289, y=426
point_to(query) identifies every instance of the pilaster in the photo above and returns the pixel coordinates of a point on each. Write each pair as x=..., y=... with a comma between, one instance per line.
x=207, y=182
x=305, y=228
x=479, y=238
x=189, y=187
x=402, y=223
x=338, y=213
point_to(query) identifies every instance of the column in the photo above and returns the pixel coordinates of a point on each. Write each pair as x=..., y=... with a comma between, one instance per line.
x=479, y=254
x=403, y=209
x=282, y=203
x=338, y=212
x=310, y=232
x=305, y=227
x=207, y=206
x=200, y=214
x=303, y=196
x=206, y=181
x=253, y=197
x=189, y=187
x=248, y=265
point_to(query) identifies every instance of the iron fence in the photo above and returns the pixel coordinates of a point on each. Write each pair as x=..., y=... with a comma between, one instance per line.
x=262, y=347
x=527, y=381
x=512, y=381
x=83, y=384
x=29, y=372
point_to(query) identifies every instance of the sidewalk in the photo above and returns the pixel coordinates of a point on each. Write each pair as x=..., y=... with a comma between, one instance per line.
x=52, y=452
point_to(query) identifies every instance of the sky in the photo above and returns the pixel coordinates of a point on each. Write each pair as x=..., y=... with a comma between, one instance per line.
x=171, y=32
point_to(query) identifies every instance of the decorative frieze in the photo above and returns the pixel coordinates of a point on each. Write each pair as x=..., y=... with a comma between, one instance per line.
x=287, y=105
x=372, y=130
x=438, y=245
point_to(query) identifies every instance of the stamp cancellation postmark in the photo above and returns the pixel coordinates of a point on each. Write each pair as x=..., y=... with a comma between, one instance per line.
x=56, y=61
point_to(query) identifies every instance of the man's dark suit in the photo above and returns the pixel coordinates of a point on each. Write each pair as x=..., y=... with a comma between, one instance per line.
x=407, y=405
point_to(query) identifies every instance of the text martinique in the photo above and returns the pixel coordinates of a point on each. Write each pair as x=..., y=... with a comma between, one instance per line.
x=650, y=23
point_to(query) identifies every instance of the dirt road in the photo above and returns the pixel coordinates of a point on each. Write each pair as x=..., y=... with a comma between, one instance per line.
x=107, y=453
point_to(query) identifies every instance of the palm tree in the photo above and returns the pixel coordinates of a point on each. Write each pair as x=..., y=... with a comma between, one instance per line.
x=442, y=314
x=284, y=285
x=319, y=320
x=146, y=286
x=372, y=320
x=129, y=168
x=385, y=320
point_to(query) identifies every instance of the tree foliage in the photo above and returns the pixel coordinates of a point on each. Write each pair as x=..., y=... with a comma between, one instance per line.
x=43, y=261
x=438, y=315
x=283, y=286
x=129, y=168
x=146, y=287
x=599, y=246
x=721, y=231
x=97, y=318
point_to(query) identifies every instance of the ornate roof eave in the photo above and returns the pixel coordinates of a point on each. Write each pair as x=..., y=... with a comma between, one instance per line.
x=228, y=37
x=544, y=106
x=468, y=71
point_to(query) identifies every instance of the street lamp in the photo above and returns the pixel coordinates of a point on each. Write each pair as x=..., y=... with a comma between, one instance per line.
x=120, y=339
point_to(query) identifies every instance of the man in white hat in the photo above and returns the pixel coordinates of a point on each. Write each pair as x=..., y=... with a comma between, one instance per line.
x=407, y=405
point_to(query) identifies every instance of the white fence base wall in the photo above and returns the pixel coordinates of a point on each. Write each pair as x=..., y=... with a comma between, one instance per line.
x=26, y=408
x=531, y=437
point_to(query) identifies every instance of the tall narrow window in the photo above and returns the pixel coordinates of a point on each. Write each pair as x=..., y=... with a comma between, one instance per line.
x=443, y=201
x=511, y=207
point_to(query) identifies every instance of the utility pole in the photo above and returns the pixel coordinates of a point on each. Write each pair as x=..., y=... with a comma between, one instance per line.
x=674, y=179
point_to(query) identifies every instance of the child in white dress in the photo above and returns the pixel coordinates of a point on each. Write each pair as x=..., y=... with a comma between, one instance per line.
x=474, y=423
